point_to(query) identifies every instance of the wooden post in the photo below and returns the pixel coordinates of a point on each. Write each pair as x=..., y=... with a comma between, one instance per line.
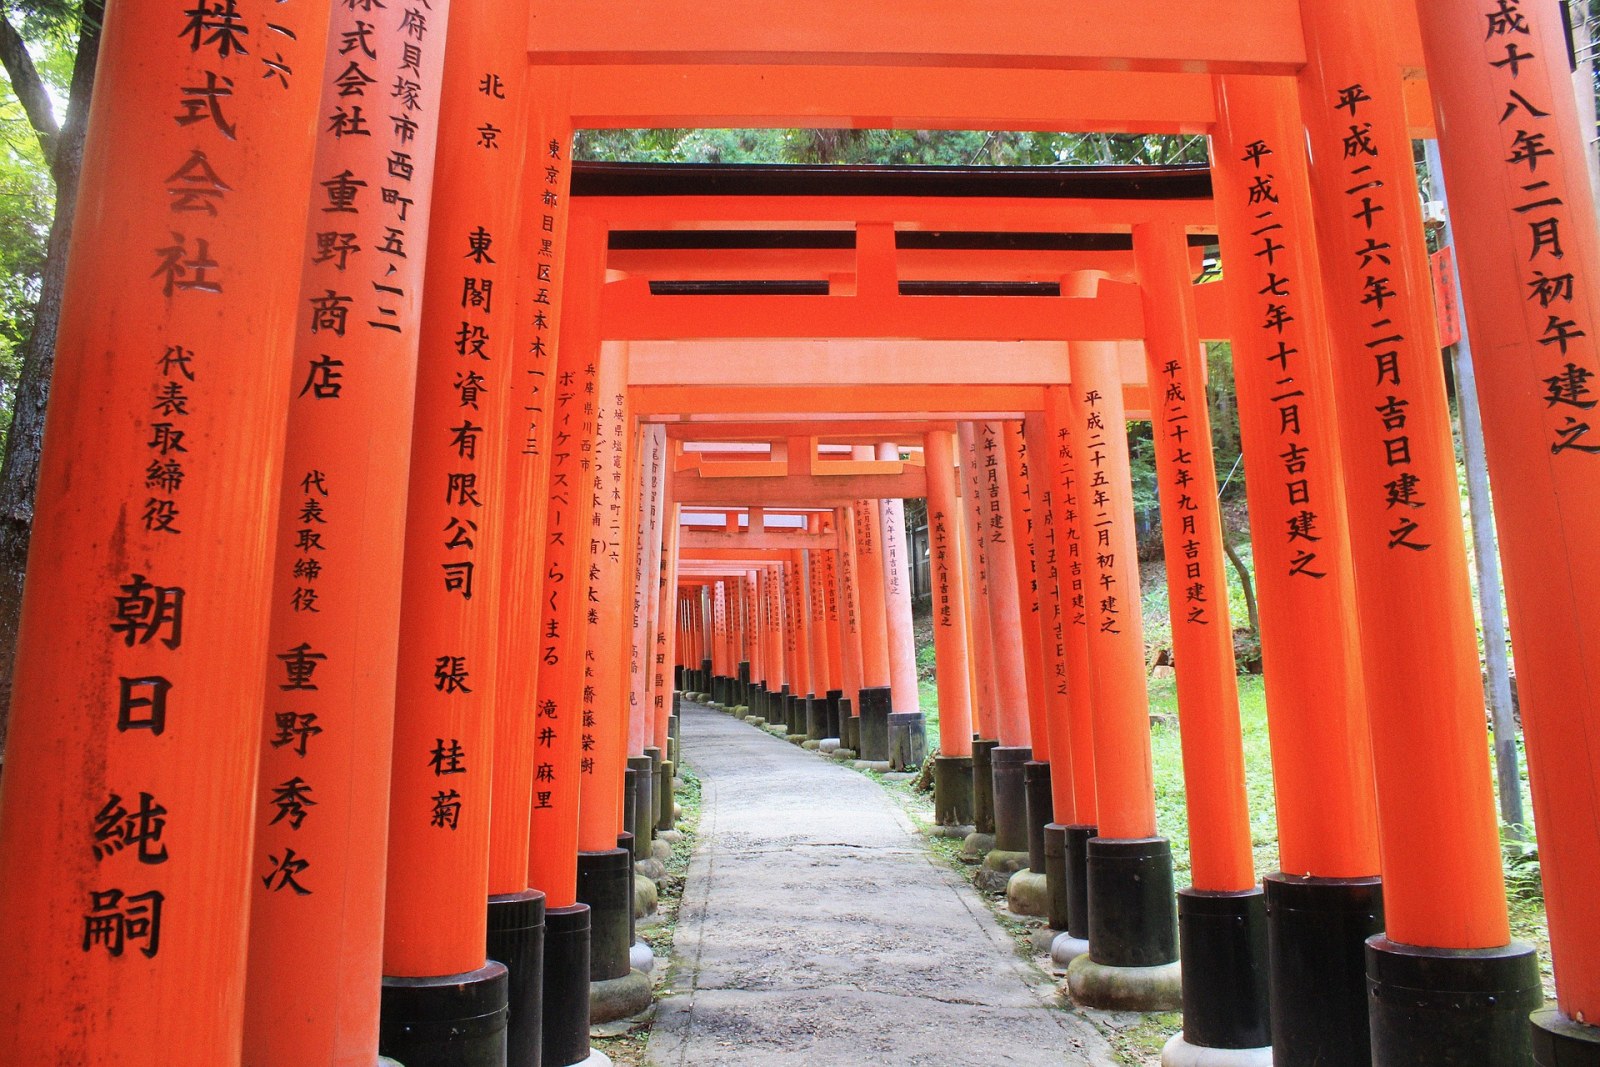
x=1127, y=928
x=125, y=840
x=1443, y=888
x=1514, y=158
x=1222, y=915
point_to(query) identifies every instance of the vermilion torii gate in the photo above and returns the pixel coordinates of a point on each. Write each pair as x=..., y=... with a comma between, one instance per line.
x=249, y=659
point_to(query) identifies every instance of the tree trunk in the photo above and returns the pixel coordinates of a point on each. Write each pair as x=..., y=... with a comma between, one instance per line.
x=19, y=471
x=1245, y=583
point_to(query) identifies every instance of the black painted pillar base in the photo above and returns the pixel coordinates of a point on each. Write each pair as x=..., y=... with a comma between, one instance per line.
x=642, y=826
x=705, y=675
x=566, y=986
x=625, y=842
x=816, y=719
x=830, y=726
x=1223, y=937
x=1010, y=799
x=453, y=1020
x=952, y=790
x=1317, y=930
x=605, y=883
x=1041, y=809
x=983, y=785
x=630, y=794
x=655, y=757
x=1057, y=914
x=874, y=724
x=677, y=677
x=516, y=939
x=665, y=816
x=779, y=711
x=849, y=725
x=742, y=689
x=908, y=740
x=1132, y=918
x=1077, y=863
x=1561, y=1042
x=1451, y=1006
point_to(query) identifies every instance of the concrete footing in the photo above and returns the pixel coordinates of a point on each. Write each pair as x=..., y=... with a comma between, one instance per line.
x=1098, y=985
x=1179, y=1053
x=618, y=998
x=1067, y=947
x=1027, y=894
x=998, y=867
x=650, y=868
x=976, y=846
x=644, y=896
x=642, y=959
x=828, y=746
x=661, y=848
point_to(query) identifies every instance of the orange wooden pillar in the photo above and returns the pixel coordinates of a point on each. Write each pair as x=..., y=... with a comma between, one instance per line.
x=981, y=648
x=1009, y=666
x=835, y=627
x=605, y=859
x=850, y=652
x=1444, y=893
x=558, y=706
x=1036, y=773
x=1131, y=912
x=1326, y=897
x=437, y=894
x=125, y=843
x=952, y=768
x=908, y=745
x=873, y=709
x=1062, y=429
x=1054, y=702
x=1513, y=155
x=1222, y=916
x=323, y=816
x=816, y=720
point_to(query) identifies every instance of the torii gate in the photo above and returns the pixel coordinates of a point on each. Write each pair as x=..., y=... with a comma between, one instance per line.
x=146, y=630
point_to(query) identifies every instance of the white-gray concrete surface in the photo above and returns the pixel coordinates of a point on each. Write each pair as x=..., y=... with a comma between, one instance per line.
x=816, y=929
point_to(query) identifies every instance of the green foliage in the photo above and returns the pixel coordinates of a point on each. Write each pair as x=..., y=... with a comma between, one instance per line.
x=886, y=147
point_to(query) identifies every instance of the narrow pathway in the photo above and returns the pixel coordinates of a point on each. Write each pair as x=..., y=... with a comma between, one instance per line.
x=816, y=929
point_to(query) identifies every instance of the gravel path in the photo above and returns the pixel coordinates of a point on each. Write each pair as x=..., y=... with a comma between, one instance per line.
x=816, y=929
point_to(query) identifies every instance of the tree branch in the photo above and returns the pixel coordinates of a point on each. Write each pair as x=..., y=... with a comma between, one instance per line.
x=29, y=87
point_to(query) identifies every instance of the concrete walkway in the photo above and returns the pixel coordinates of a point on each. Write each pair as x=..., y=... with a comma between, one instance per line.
x=817, y=929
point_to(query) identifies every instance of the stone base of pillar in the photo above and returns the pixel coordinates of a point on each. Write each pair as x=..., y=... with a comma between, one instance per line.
x=566, y=986
x=1041, y=809
x=983, y=785
x=1223, y=940
x=874, y=723
x=976, y=846
x=1432, y=1005
x=1317, y=930
x=644, y=960
x=1010, y=799
x=999, y=864
x=908, y=740
x=618, y=998
x=605, y=883
x=1179, y=1053
x=828, y=746
x=516, y=939
x=660, y=848
x=650, y=868
x=1098, y=985
x=952, y=790
x=1562, y=1042
x=1067, y=947
x=459, y=1019
x=1027, y=894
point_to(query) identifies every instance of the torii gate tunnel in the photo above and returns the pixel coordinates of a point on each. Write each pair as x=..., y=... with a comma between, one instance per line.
x=401, y=472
